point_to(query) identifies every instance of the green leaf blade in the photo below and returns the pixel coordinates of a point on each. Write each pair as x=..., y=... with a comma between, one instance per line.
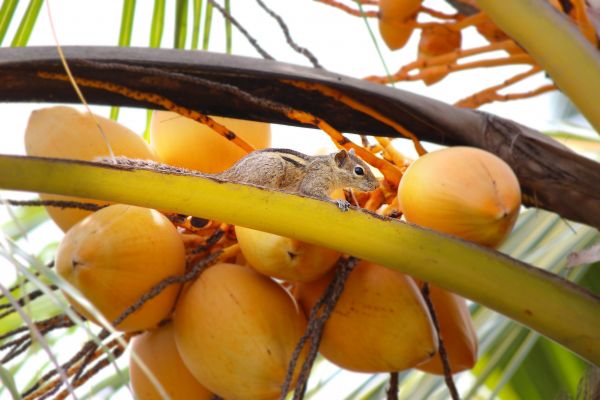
x=27, y=23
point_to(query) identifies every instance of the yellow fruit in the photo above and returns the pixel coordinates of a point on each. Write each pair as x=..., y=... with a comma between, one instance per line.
x=398, y=9
x=396, y=21
x=236, y=330
x=489, y=30
x=116, y=255
x=158, y=352
x=462, y=191
x=379, y=324
x=457, y=331
x=189, y=144
x=437, y=40
x=64, y=132
x=396, y=33
x=284, y=258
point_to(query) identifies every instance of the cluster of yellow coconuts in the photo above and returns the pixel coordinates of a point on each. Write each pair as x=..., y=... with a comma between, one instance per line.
x=234, y=329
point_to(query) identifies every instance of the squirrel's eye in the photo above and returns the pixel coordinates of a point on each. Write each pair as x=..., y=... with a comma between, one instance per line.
x=359, y=171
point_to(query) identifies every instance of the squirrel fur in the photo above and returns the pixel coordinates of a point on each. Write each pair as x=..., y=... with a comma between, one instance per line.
x=286, y=170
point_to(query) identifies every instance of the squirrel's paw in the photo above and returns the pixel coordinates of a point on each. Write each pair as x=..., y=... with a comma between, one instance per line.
x=342, y=205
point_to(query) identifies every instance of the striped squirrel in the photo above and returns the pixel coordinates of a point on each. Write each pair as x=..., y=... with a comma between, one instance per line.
x=286, y=170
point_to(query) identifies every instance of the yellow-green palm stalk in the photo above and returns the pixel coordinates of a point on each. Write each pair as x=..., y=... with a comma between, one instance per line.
x=557, y=45
x=543, y=301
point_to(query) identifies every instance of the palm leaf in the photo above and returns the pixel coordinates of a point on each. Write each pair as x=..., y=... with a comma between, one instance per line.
x=127, y=18
x=7, y=12
x=27, y=23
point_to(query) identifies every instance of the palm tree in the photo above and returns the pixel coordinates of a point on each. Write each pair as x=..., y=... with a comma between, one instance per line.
x=515, y=361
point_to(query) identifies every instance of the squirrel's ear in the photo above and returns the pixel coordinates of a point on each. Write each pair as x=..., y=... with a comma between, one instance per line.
x=341, y=157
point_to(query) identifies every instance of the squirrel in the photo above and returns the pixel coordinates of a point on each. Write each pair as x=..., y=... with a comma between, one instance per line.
x=286, y=170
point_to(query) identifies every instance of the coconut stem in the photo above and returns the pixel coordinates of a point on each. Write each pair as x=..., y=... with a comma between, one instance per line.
x=319, y=315
x=441, y=348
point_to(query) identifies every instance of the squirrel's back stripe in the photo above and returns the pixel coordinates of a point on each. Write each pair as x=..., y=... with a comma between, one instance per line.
x=294, y=162
x=295, y=158
x=285, y=151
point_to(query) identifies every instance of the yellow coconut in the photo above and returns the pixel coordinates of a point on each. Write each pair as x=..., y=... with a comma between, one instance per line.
x=398, y=9
x=158, y=352
x=396, y=21
x=64, y=132
x=456, y=330
x=236, y=331
x=116, y=255
x=189, y=144
x=284, y=258
x=437, y=40
x=462, y=191
x=379, y=324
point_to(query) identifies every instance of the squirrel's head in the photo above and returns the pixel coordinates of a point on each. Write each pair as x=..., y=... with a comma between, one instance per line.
x=354, y=172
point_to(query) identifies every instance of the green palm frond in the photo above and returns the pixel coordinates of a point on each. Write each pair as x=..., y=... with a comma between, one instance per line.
x=7, y=12
x=27, y=24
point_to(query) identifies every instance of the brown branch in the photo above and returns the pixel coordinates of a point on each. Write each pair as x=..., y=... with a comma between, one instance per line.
x=93, y=353
x=210, y=241
x=17, y=350
x=11, y=308
x=23, y=342
x=242, y=30
x=53, y=386
x=479, y=98
x=88, y=349
x=288, y=37
x=198, y=222
x=57, y=203
x=551, y=176
x=441, y=347
x=525, y=95
x=314, y=330
x=359, y=106
x=89, y=352
x=428, y=72
x=21, y=301
x=44, y=326
x=484, y=98
x=318, y=324
x=116, y=353
x=392, y=392
x=444, y=59
x=194, y=272
x=157, y=100
x=89, y=346
x=18, y=285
